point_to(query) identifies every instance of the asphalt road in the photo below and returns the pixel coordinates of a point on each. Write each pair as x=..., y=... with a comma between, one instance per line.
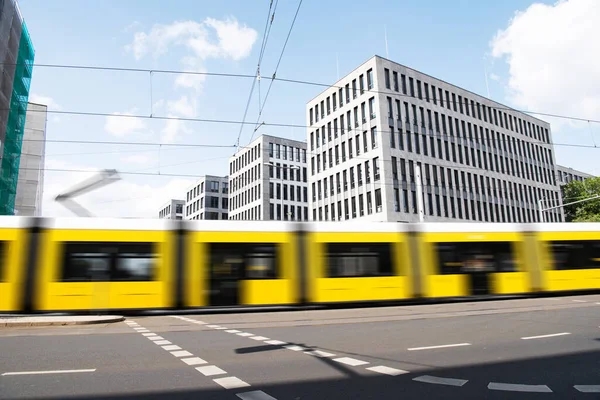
x=522, y=349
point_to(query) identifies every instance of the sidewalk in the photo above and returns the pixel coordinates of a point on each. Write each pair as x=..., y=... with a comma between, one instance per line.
x=58, y=320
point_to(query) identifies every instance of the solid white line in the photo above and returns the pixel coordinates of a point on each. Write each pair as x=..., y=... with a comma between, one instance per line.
x=181, y=353
x=439, y=347
x=231, y=382
x=171, y=347
x=162, y=342
x=440, y=381
x=588, y=388
x=387, y=370
x=194, y=361
x=579, y=301
x=233, y=331
x=255, y=395
x=350, y=361
x=148, y=334
x=319, y=353
x=516, y=387
x=275, y=342
x=210, y=370
x=57, y=371
x=545, y=336
x=259, y=338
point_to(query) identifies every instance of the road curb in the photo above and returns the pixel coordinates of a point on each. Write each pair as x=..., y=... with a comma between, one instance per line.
x=58, y=321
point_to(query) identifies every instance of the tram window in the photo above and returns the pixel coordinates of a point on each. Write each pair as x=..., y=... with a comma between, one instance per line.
x=3, y=254
x=575, y=254
x=108, y=262
x=358, y=259
x=468, y=257
x=244, y=260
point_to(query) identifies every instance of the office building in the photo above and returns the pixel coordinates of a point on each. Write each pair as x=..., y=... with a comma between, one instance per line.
x=565, y=175
x=372, y=130
x=173, y=209
x=30, y=184
x=268, y=181
x=16, y=64
x=208, y=198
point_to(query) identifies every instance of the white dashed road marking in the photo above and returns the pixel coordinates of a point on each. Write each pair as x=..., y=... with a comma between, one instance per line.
x=440, y=381
x=255, y=395
x=439, y=347
x=319, y=353
x=194, y=361
x=588, y=388
x=387, y=370
x=58, y=371
x=210, y=370
x=227, y=382
x=295, y=348
x=579, y=301
x=350, y=361
x=515, y=387
x=262, y=338
x=275, y=342
x=545, y=336
x=181, y=353
x=245, y=334
x=233, y=331
x=231, y=382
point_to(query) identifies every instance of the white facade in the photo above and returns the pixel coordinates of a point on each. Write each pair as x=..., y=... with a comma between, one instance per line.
x=30, y=184
x=208, y=198
x=268, y=181
x=479, y=160
x=173, y=209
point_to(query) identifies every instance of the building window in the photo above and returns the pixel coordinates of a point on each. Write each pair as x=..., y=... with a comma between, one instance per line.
x=376, y=168
x=372, y=107
x=370, y=79
x=387, y=84
x=374, y=137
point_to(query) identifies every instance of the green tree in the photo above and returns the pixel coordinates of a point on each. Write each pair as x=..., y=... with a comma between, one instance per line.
x=588, y=211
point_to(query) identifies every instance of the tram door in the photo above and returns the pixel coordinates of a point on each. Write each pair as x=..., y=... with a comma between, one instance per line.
x=476, y=260
x=226, y=270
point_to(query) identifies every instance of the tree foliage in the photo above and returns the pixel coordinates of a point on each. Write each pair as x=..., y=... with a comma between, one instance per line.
x=587, y=211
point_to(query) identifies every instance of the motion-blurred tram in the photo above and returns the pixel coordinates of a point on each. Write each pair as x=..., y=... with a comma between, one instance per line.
x=93, y=264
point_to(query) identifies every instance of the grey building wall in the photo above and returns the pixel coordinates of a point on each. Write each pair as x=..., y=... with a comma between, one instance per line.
x=565, y=175
x=208, y=198
x=30, y=184
x=268, y=180
x=479, y=160
x=173, y=209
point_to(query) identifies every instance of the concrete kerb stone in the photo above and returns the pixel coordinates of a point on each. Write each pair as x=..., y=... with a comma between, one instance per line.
x=59, y=321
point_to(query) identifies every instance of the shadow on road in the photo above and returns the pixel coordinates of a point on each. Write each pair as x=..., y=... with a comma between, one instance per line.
x=559, y=373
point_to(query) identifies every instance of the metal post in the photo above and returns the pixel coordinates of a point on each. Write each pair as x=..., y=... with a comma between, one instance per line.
x=419, y=189
x=541, y=210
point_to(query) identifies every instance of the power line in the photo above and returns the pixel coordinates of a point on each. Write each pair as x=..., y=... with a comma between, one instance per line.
x=297, y=81
x=261, y=107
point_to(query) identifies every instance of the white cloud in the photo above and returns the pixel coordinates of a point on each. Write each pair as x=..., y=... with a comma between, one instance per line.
x=183, y=107
x=119, y=126
x=233, y=41
x=173, y=129
x=553, y=58
x=494, y=77
x=46, y=100
x=123, y=198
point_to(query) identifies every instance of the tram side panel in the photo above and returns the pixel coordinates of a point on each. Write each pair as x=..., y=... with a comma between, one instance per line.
x=99, y=268
x=240, y=264
x=351, y=265
x=13, y=247
x=461, y=262
x=570, y=257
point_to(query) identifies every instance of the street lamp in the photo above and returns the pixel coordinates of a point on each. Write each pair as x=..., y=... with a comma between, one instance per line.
x=291, y=167
x=541, y=209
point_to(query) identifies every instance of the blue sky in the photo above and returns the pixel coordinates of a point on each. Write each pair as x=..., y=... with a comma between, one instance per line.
x=453, y=41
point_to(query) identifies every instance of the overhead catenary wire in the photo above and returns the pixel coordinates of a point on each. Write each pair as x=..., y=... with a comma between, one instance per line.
x=296, y=81
x=262, y=106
